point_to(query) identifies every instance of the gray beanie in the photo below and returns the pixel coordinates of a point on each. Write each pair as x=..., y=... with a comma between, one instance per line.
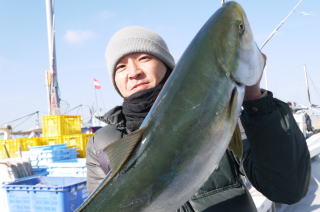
x=134, y=39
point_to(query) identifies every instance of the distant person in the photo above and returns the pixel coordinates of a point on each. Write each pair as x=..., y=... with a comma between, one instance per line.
x=290, y=105
x=276, y=158
x=308, y=123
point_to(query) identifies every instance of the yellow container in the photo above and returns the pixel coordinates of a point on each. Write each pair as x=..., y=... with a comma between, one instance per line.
x=27, y=142
x=12, y=146
x=2, y=150
x=60, y=125
x=52, y=140
x=79, y=141
x=83, y=147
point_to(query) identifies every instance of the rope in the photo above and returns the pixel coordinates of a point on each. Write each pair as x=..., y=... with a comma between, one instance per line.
x=31, y=114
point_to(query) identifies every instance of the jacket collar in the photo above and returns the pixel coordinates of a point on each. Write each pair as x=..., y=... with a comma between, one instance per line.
x=114, y=117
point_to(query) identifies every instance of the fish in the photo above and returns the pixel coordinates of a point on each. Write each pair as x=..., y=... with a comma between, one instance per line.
x=188, y=129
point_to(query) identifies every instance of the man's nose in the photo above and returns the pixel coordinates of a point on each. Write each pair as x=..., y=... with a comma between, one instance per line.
x=134, y=70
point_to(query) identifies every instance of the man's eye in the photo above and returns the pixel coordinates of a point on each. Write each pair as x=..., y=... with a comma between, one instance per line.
x=120, y=67
x=145, y=58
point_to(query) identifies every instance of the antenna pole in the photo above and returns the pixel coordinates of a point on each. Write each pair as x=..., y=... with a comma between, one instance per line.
x=51, y=75
x=307, y=84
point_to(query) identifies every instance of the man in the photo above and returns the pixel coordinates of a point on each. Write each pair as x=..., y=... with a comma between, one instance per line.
x=276, y=159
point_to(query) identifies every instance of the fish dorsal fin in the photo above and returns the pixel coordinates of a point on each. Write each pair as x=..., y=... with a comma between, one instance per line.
x=119, y=151
x=236, y=142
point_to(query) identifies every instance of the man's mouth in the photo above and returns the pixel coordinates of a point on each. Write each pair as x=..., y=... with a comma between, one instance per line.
x=138, y=85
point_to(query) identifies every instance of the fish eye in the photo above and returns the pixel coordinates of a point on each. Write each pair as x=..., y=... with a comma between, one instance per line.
x=241, y=28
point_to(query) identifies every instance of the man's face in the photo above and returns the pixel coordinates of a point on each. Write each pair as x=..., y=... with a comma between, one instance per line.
x=138, y=71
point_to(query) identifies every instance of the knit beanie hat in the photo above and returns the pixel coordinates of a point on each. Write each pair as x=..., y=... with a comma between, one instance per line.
x=134, y=39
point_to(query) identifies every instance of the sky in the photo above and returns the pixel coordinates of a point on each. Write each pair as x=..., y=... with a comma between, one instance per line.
x=83, y=29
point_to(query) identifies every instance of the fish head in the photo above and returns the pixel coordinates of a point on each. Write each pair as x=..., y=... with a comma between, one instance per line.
x=238, y=54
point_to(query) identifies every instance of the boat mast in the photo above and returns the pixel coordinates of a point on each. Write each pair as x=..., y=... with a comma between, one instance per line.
x=51, y=75
x=307, y=84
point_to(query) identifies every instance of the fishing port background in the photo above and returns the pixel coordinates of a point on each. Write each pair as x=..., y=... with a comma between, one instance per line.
x=82, y=30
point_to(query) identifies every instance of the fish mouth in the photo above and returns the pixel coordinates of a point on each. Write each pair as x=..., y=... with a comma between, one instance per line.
x=237, y=83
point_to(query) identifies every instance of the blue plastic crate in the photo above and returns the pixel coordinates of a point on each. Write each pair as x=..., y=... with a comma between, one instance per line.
x=48, y=157
x=72, y=168
x=40, y=171
x=61, y=153
x=69, y=172
x=46, y=194
x=75, y=162
x=47, y=147
x=42, y=157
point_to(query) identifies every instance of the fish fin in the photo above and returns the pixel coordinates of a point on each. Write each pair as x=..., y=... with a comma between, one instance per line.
x=120, y=151
x=236, y=143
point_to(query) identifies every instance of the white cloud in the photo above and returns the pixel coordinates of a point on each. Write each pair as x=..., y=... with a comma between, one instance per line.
x=304, y=13
x=79, y=36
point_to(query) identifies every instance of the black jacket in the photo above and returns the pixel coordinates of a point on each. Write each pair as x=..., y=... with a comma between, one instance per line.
x=276, y=160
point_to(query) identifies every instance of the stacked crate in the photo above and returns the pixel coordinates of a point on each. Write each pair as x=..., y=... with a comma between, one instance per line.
x=13, y=146
x=55, y=154
x=58, y=129
x=79, y=141
x=41, y=156
x=71, y=168
x=60, y=125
